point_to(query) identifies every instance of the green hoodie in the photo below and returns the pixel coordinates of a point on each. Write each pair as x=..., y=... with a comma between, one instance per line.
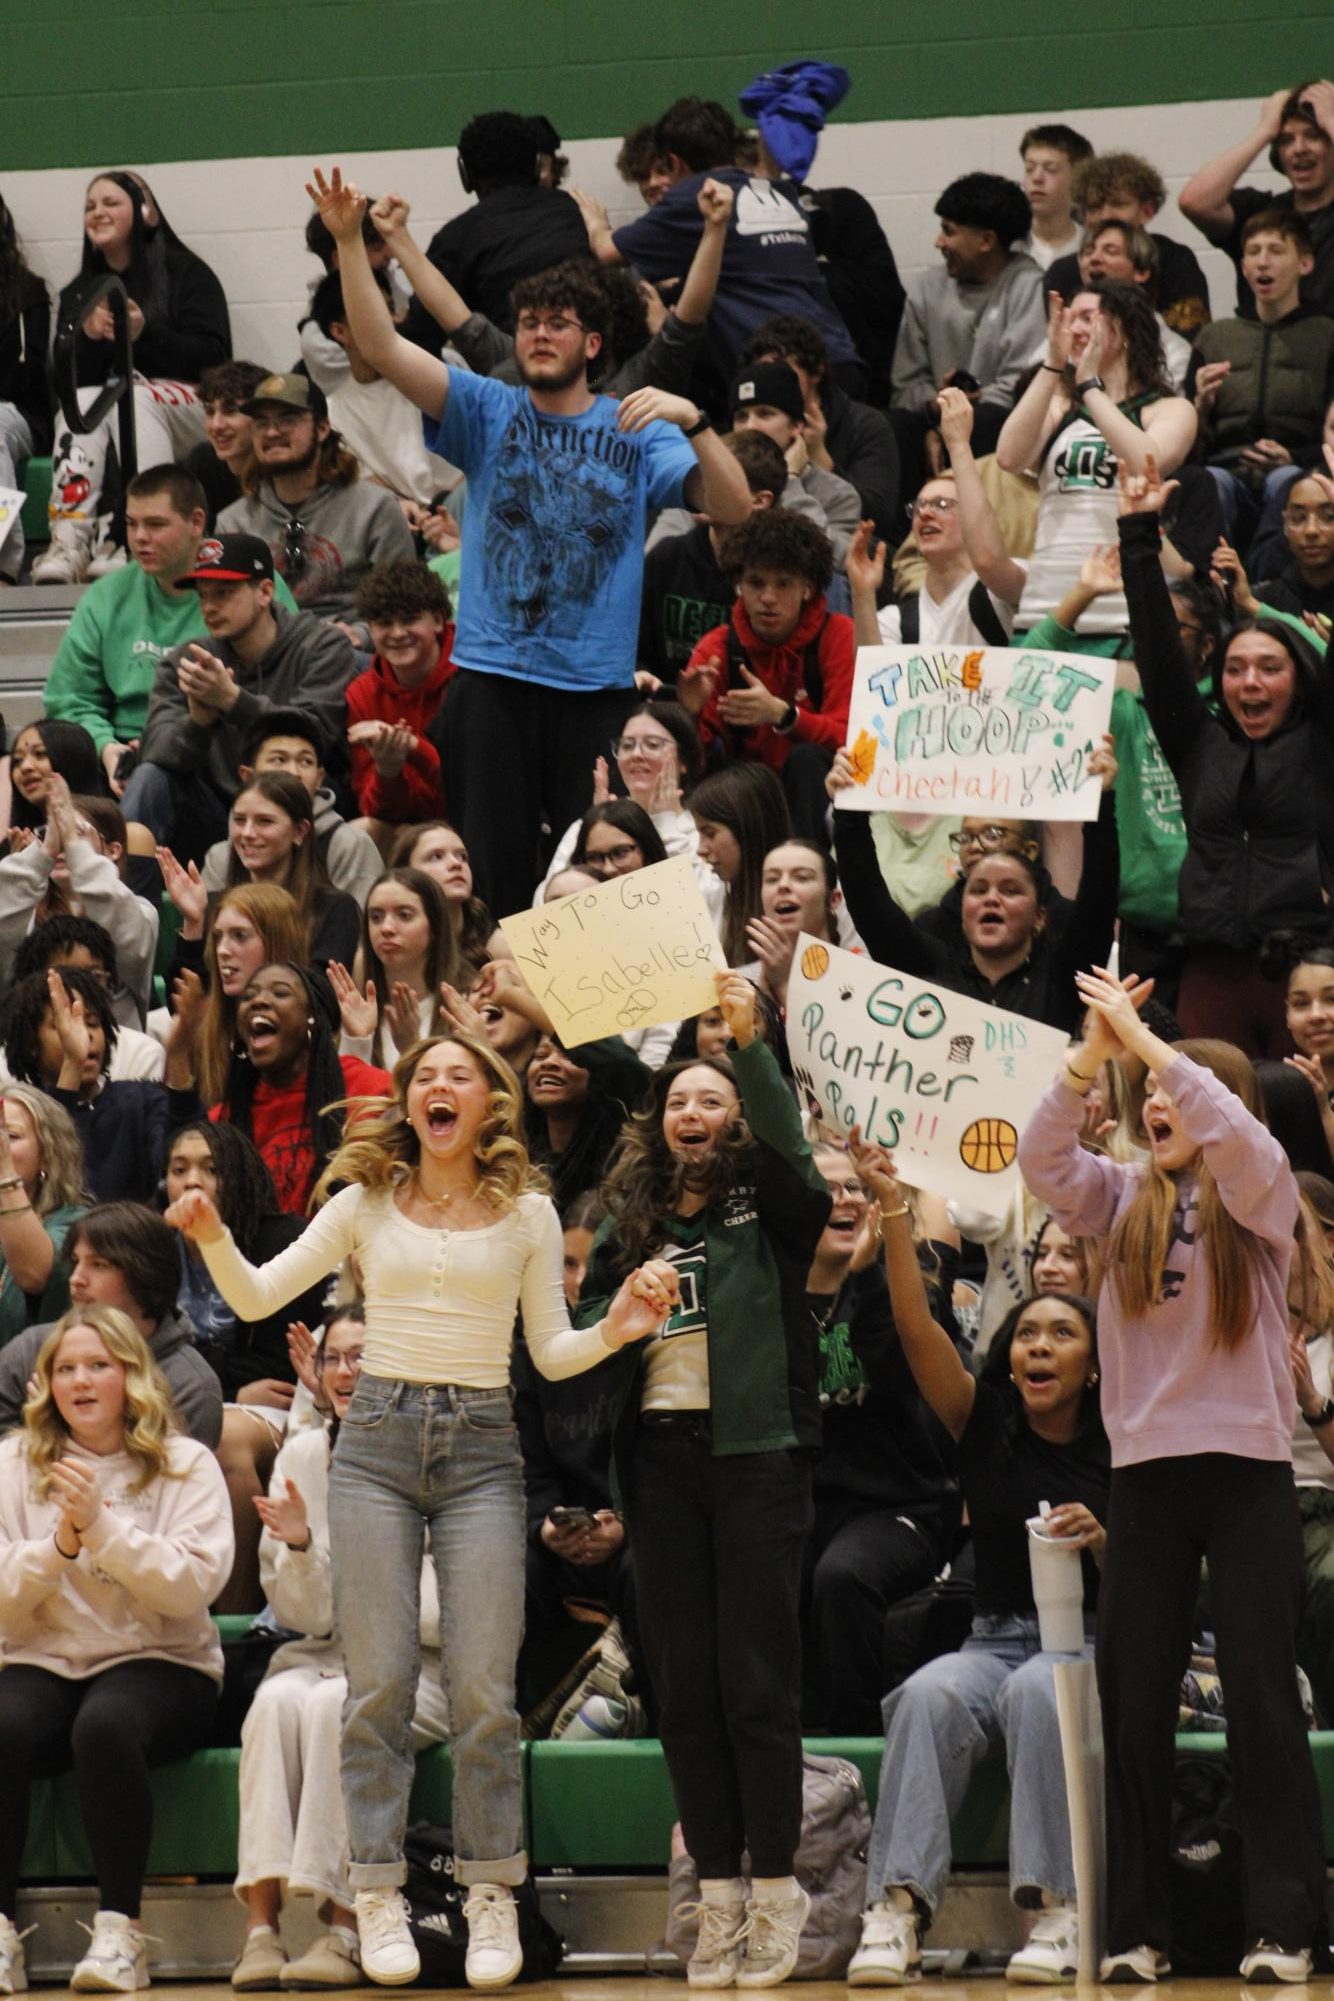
x=759, y=1241
x=103, y=673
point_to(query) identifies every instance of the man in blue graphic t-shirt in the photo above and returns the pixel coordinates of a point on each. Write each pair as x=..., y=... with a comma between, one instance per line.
x=561, y=485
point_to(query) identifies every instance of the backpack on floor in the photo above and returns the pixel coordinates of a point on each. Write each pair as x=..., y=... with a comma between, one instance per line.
x=440, y=1930
x=830, y=1866
x=1204, y=1869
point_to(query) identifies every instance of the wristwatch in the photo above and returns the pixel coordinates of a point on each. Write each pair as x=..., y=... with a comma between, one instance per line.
x=1324, y=1416
x=788, y=717
x=1089, y=382
x=703, y=422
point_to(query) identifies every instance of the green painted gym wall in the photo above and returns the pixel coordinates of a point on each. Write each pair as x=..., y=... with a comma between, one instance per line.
x=86, y=81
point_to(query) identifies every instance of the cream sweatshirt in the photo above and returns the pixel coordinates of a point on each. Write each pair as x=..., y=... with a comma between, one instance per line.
x=151, y=1565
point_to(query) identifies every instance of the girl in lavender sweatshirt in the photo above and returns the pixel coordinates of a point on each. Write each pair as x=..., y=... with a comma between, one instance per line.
x=1199, y=1407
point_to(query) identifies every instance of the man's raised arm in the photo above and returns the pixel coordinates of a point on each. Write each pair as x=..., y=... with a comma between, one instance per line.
x=423, y=379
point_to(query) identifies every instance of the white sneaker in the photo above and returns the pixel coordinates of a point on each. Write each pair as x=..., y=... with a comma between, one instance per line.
x=1137, y=1963
x=495, y=1957
x=890, y=1954
x=1267, y=1961
x=13, y=1973
x=388, y=1955
x=106, y=558
x=116, y=1961
x=721, y=1943
x=773, y=1937
x=61, y=563
x=1052, y=1952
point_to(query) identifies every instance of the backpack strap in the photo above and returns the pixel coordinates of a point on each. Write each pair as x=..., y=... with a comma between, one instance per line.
x=985, y=616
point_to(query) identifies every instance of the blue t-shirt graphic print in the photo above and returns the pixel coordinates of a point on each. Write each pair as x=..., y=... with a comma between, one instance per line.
x=553, y=532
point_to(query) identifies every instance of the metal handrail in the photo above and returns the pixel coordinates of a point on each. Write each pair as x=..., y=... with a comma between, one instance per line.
x=119, y=385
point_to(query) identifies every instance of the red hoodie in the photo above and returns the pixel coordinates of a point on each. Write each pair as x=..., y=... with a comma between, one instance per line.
x=782, y=670
x=376, y=696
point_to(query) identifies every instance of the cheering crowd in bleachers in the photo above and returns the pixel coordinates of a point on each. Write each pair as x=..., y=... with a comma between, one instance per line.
x=337, y=1289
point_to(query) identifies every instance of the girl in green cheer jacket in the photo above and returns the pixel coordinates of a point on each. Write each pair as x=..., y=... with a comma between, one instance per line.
x=713, y=1452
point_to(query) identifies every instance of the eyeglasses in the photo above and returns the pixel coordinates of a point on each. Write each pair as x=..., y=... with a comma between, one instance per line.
x=555, y=323
x=944, y=503
x=615, y=857
x=332, y=1363
x=279, y=418
x=989, y=839
x=649, y=746
x=294, y=549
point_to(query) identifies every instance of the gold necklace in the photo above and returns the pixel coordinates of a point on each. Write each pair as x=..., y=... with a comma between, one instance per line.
x=440, y=1201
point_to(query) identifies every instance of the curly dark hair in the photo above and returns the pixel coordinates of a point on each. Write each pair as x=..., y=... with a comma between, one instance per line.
x=627, y=316
x=27, y=1005
x=637, y=155
x=231, y=383
x=326, y=1086
x=1146, y=367
x=573, y=286
x=1109, y=175
x=246, y=1194
x=402, y=589
x=987, y=201
x=645, y=1181
x=629, y=819
x=701, y=133
x=499, y=149
x=778, y=539
x=47, y=941
x=788, y=337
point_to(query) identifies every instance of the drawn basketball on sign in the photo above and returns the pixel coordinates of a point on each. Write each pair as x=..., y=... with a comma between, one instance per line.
x=815, y=962
x=989, y=1146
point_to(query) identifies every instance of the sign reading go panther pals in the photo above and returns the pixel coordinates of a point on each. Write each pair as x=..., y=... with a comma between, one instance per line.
x=943, y=1081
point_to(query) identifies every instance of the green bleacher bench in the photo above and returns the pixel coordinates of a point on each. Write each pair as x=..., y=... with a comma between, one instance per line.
x=37, y=486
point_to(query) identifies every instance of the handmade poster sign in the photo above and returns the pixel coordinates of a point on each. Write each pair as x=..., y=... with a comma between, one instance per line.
x=635, y=951
x=941, y=1080
x=971, y=731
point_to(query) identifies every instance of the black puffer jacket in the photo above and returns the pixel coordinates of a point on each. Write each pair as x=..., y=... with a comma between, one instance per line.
x=1259, y=814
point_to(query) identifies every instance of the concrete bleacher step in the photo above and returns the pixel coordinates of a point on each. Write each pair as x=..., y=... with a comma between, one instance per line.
x=33, y=618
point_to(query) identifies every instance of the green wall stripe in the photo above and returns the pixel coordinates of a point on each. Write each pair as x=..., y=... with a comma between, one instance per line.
x=86, y=85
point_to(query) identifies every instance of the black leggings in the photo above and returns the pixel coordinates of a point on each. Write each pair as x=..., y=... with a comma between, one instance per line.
x=1241, y=1515
x=110, y=1728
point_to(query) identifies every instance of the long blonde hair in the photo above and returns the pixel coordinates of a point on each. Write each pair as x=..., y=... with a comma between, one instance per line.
x=61, y=1180
x=1139, y=1245
x=150, y=1417
x=274, y=914
x=380, y=1148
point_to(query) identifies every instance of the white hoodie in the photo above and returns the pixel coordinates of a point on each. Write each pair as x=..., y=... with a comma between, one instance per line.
x=151, y=1565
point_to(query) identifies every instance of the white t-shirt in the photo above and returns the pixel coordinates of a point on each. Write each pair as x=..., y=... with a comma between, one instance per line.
x=379, y=424
x=949, y=623
x=1045, y=254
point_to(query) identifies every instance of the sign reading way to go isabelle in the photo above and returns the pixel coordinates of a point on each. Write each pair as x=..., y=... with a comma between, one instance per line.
x=942, y=1081
x=977, y=730
x=637, y=950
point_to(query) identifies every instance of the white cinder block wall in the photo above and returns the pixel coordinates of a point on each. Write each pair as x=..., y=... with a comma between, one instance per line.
x=246, y=217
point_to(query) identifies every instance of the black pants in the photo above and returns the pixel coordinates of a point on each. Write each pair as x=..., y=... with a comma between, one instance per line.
x=1241, y=1516
x=804, y=775
x=516, y=754
x=858, y=1566
x=718, y=1546
x=111, y=1729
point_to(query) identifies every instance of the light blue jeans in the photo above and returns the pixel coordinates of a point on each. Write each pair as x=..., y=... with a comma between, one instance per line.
x=15, y=447
x=943, y=1721
x=408, y=1454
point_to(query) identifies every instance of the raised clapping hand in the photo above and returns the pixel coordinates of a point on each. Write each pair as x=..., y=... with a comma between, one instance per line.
x=61, y=828
x=359, y=1012
x=71, y=1025
x=284, y=1515
x=1058, y=331
x=601, y=782
x=205, y=681
x=736, y=998
x=196, y=1216
x=956, y=419
x=1144, y=492
x=876, y=1171
x=642, y=1303
x=839, y=775
x=341, y=204
x=185, y=887
x=1100, y=571
x=402, y=1016
x=74, y=1487
x=698, y=683
x=864, y=564
x=1112, y=1022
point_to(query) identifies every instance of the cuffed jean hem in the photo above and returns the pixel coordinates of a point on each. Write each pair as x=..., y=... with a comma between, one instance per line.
x=377, y=1875
x=510, y=1872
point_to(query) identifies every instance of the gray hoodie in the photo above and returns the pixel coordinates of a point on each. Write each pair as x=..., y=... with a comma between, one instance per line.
x=348, y=852
x=308, y=667
x=195, y=1389
x=994, y=331
x=348, y=530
